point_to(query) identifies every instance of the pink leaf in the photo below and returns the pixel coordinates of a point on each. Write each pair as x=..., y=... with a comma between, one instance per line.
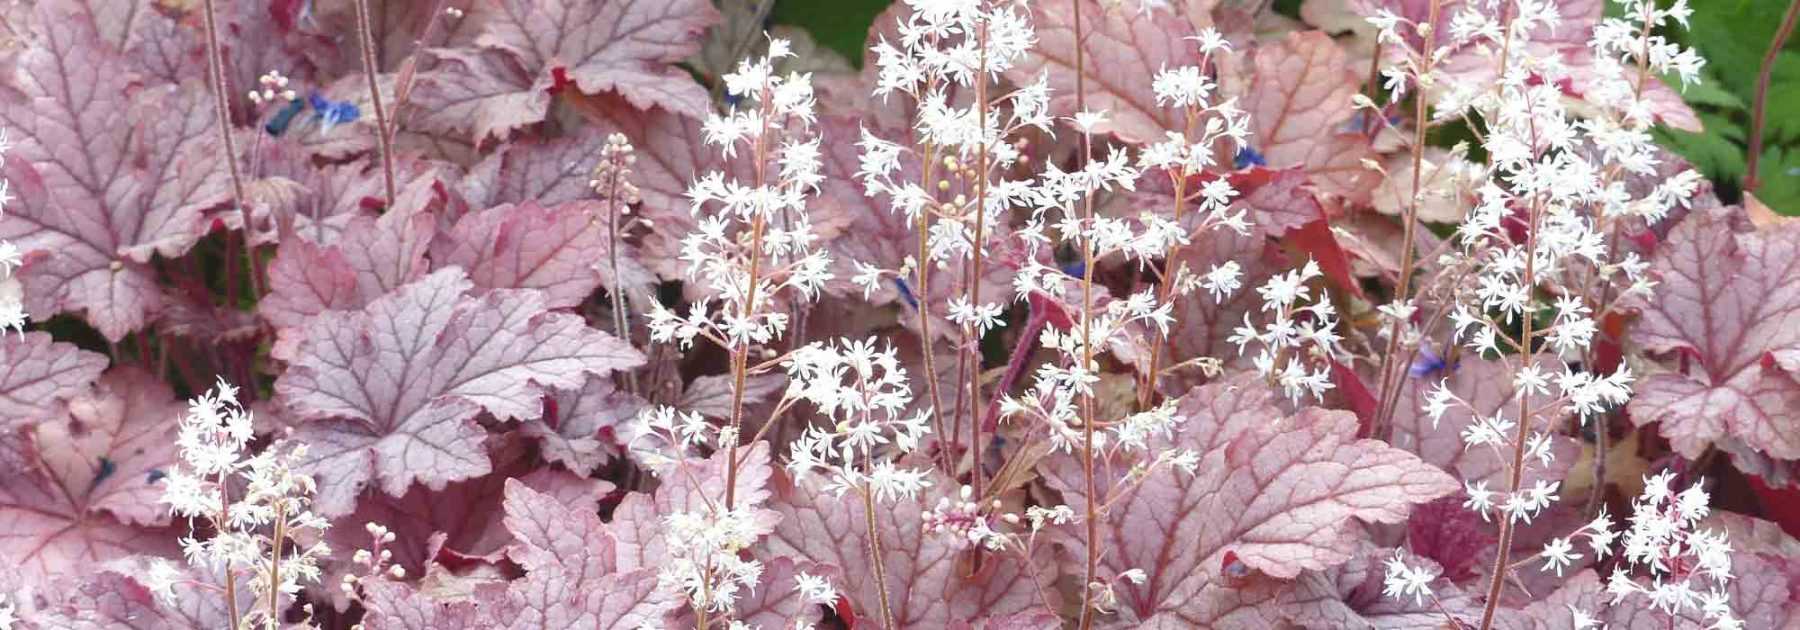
x=1124, y=48
x=1284, y=494
x=530, y=48
x=926, y=585
x=555, y=249
x=581, y=432
x=36, y=373
x=1487, y=386
x=638, y=522
x=1299, y=95
x=393, y=389
x=465, y=516
x=111, y=174
x=572, y=576
x=91, y=492
x=1727, y=303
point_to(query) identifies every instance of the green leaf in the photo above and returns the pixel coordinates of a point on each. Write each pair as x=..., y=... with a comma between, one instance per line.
x=841, y=25
x=1779, y=177
x=1716, y=153
x=1709, y=91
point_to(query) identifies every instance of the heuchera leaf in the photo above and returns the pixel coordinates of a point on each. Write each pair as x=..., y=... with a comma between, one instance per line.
x=1350, y=596
x=110, y=174
x=1281, y=494
x=90, y=493
x=464, y=518
x=1298, y=99
x=528, y=48
x=578, y=429
x=573, y=578
x=1728, y=306
x=555, y=249
x=1123, y=50
x=1487, y=386
x=36, y=373
x=696, y=486
x=392, y=391
x=927, y=587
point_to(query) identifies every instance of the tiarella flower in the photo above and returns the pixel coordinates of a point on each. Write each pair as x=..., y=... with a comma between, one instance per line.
x=1403, y=580
x=12, y=293
x=264, y=535
x=865, y=392
x=754, y=239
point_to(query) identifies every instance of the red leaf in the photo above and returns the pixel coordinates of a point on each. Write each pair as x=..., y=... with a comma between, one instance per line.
x=1299, y=95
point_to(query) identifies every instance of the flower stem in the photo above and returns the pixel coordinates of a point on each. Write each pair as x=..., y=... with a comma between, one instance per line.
x=1762, y=95
x=1391, y=381
x=370, y=70
x=875, y=559
x=222, y=107
x=1091, y=533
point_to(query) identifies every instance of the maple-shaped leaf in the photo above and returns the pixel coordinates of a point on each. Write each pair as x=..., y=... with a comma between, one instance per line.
x=1298, y=98
x=928, y=576
x=373, y=256
x=1758, y=596
x=37, y=372
x=92, y=488
x=1275, y=493
x=108, y=174
x=1123, y=49
x=1203, y=325
x=464, y=518
x=696, y=486
x=1350, y=596
x=1727, y=305
x=573, y=578
x=580, y=428
x=116, y=595
x=484, y=92
x=391, y=391
x=556, y=249
x=1487, y=386
x=527, y=49
x=393, y=605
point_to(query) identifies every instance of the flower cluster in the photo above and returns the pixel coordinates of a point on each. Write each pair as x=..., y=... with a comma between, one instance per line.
x=257, y=507
x=864, y=393
x=1296, y=348
x=710, y=565
x=12, y=294
x=754, y=238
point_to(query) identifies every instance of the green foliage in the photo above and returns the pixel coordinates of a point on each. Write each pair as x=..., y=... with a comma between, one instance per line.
x=841, y=25
x=1734, y=35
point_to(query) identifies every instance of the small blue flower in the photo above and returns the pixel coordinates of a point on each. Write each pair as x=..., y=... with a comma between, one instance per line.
x=332, y=114
x=278, y=124
x=906, y=293
x=1075, y=268
x=1428, y=363
x=1248, y=157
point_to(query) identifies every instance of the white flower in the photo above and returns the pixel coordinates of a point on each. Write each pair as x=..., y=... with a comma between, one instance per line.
x=1402, y=580
x=815, y=589
x=1558, y=554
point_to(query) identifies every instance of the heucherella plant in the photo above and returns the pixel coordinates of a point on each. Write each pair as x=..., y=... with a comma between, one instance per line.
x=1021, y=314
